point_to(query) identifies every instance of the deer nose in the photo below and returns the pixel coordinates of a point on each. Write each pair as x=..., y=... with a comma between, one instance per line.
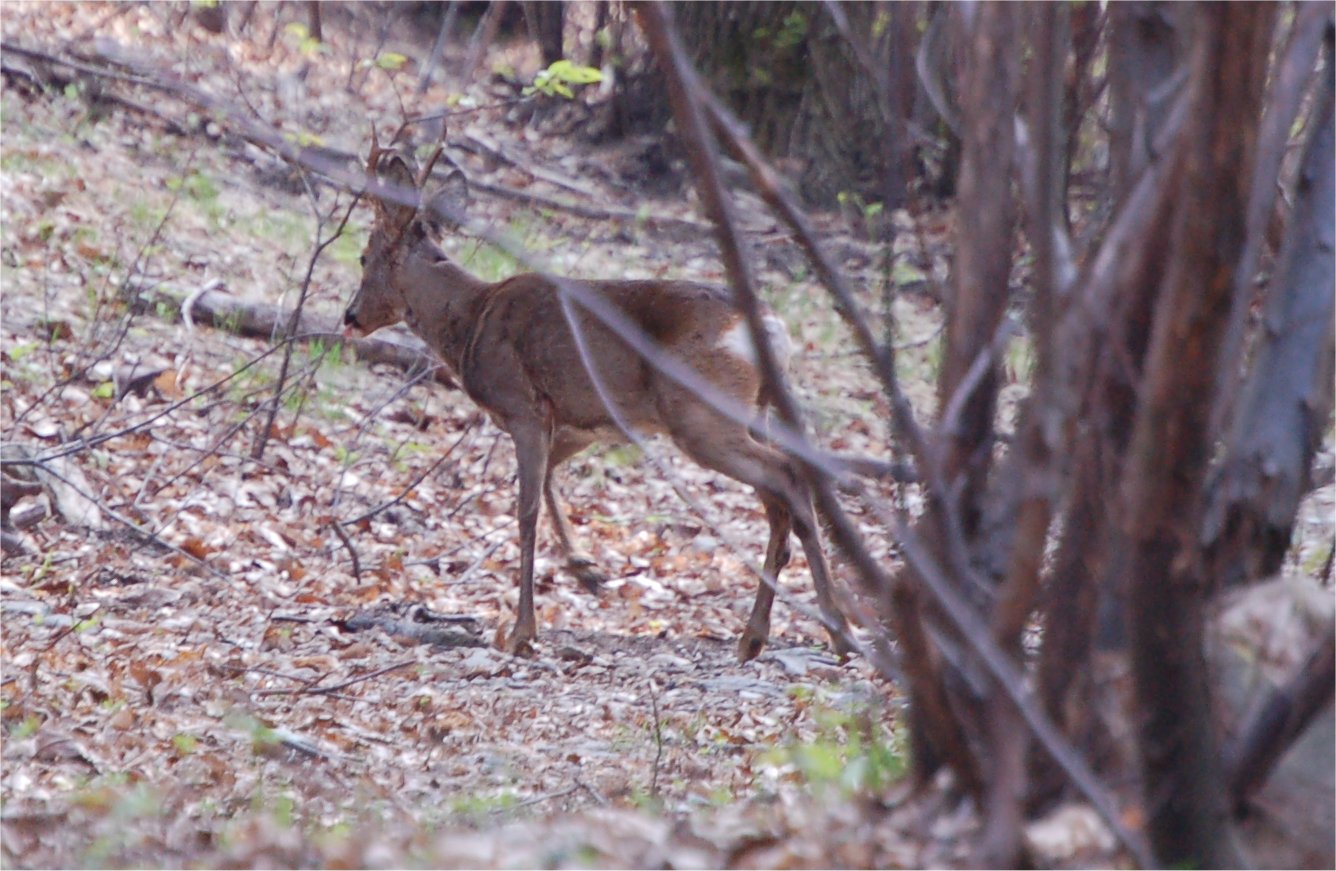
x=349, y=319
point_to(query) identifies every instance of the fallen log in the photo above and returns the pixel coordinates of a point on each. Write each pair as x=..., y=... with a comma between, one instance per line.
x=256, y=319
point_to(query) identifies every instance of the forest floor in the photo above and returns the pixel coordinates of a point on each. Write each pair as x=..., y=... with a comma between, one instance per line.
x=184, y=680
x=187, y=676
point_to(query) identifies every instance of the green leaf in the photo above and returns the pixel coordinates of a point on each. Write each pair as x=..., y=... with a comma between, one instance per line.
x=576, y=75
x=554, y=80
x=105, y=390
x=27, y=728
x=391, y=60
x=907, y=273
x=821, y=762
x=18, y=352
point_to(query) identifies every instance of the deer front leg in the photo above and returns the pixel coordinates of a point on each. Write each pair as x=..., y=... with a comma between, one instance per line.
x=531, y=449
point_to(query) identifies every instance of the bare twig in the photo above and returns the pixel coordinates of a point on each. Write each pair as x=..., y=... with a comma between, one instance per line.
x=352, y=551
x=321, y=691
x=411, y=484
x=539, y=799
x=138, y=530
x=658, y=738
x=294, y=319
x=79, y=372
x=1282, y=718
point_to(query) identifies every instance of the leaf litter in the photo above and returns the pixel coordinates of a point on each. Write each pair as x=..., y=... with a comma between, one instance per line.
x=189, y=683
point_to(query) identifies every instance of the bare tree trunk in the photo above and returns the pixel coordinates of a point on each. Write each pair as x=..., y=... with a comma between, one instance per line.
x=985, y=225
x=1146, y=40
x=434, y=58
x=1077, y=593
x=968, y=387
x=901, y=85
x=1282, y=718
x=1030, y=475
x=784, y=68
x=546, y=20
x=1287, y=401
x=313, y=20
x=1187, y=811
x=483, y=36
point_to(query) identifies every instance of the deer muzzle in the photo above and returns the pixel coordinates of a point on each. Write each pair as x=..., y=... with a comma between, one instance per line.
x=351, y=329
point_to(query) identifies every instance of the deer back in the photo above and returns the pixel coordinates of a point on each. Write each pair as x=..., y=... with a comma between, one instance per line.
x=511, y=343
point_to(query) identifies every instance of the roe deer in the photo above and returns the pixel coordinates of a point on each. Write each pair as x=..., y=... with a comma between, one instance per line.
x=512, y=349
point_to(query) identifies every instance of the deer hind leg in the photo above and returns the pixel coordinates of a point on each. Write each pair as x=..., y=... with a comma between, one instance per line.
x=776, y=557
x=728, y=448
x=809, y=533
x=578, y=563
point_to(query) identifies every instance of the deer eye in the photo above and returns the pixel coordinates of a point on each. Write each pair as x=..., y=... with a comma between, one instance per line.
x=361, y=258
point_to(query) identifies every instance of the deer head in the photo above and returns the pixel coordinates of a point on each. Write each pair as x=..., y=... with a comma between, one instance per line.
x=402, y=219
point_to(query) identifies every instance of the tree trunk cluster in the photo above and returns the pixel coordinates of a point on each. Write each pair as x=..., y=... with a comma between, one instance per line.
x=1050, y=624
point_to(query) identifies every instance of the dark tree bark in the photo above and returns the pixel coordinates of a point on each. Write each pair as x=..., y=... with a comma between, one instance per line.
x=1030, y=472
x=546, y=20
x=968, y=385
x=1287, y=401
x=1111, y=346
x=901, y=88
x=1146, y=41
x=985, y=227
x=806, y=95
x=1187, y=811
x=313, y=20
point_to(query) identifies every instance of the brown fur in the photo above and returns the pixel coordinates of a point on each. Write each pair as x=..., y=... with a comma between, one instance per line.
x=513, y=351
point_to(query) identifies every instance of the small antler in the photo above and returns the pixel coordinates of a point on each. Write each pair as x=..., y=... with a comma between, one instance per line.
x=373, y=159
x=435, y=154
x=431, y=162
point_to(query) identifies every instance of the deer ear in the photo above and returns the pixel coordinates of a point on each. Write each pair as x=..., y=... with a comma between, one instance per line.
x=398, y=177
x=448, y=204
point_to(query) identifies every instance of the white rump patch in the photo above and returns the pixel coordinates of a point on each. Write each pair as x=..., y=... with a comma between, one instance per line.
x=736, y=340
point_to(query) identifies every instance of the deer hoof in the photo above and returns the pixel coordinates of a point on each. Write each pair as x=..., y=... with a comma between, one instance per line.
x=587, y=573
x=517, y=644
x=841, y=647
x=841, y=638
x=519, y=647
x=750, y=646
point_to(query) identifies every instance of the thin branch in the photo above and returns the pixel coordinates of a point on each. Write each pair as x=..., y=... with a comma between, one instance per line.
x=123, y=520
x=658, y=739
x=411, y=484
x=321, y=691
x=87, y=444
x=294, y=318
x=352, y=551
x=1281, y=719
x=1013, y=683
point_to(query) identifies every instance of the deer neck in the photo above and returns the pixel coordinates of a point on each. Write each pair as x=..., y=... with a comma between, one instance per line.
x=444, y=301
